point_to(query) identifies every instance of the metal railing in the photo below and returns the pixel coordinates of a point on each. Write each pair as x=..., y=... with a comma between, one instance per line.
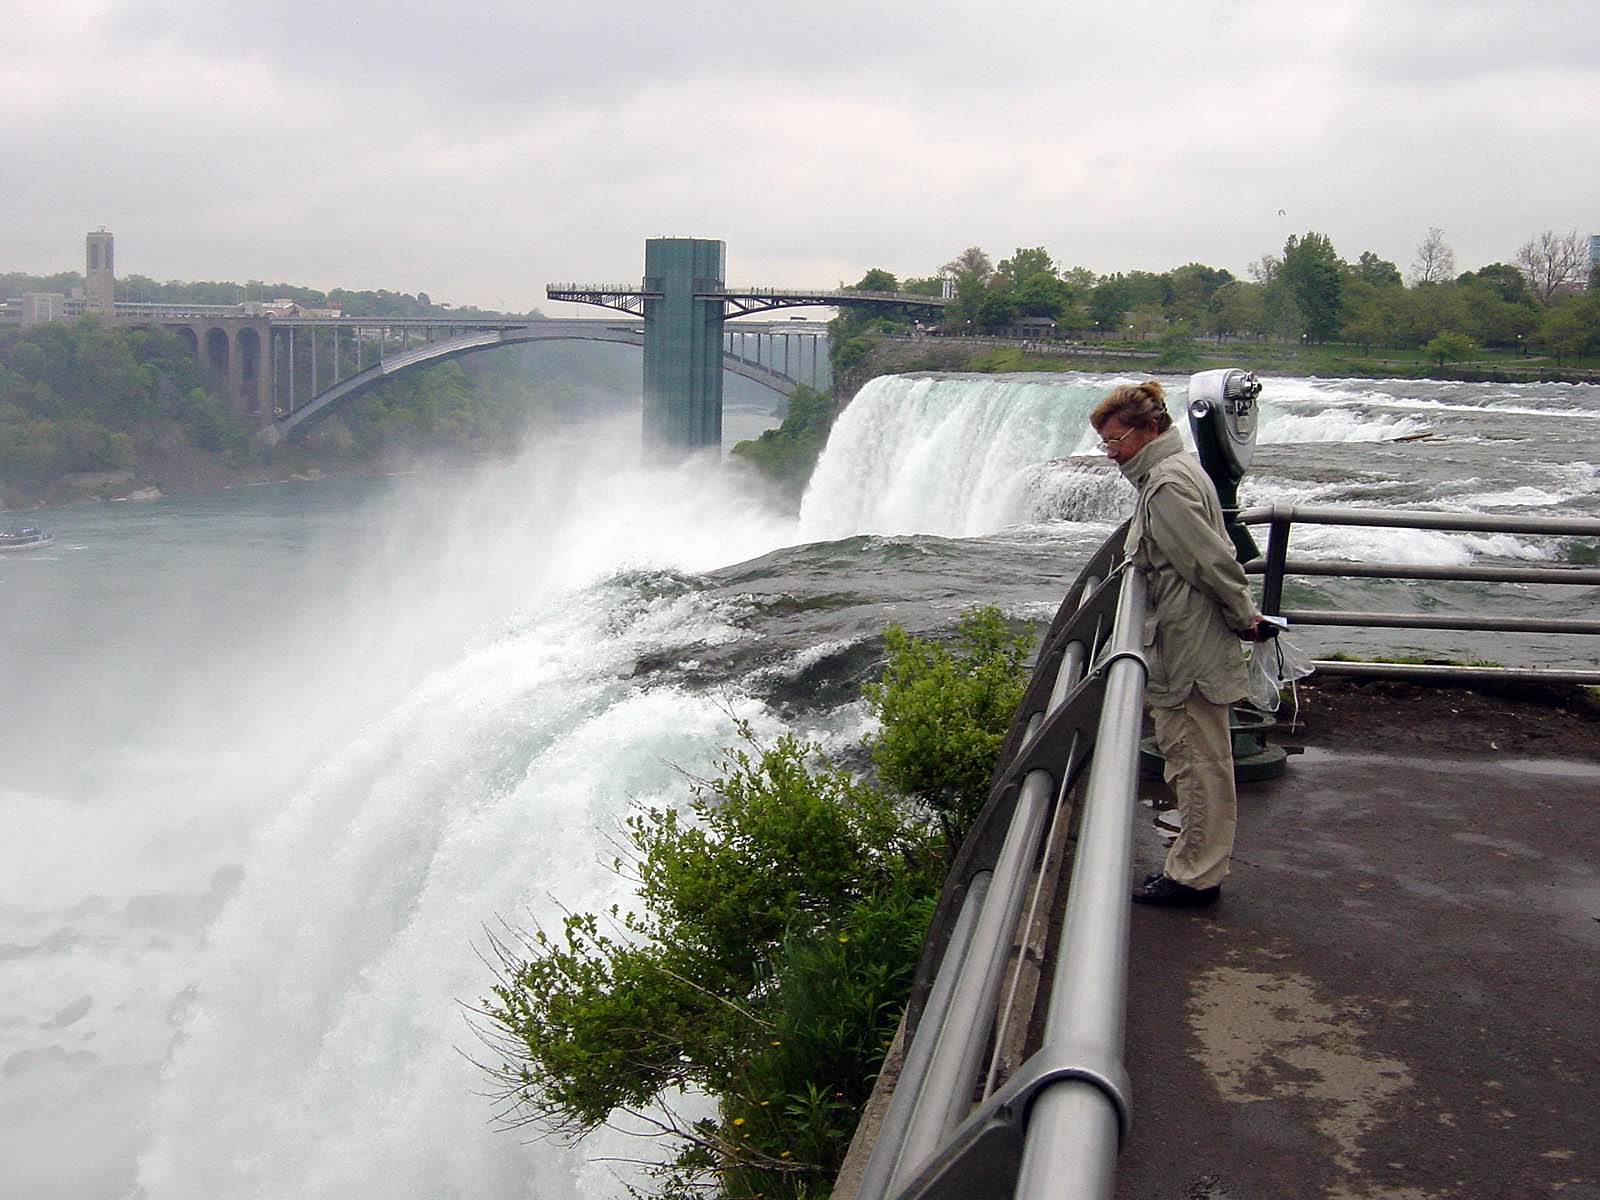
x=1276, y=565
x=966, y=1118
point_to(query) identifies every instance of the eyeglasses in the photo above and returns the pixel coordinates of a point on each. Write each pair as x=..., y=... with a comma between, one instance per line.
x=1108, y=443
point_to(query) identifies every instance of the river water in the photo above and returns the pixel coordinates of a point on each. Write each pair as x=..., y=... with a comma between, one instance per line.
x=276, y=758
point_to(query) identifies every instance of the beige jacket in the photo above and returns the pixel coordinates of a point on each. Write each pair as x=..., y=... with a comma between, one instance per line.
x=1198, y=593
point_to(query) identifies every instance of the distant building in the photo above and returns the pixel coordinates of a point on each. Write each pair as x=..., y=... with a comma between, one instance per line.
x=1594, y=254
x=284, y=308
x=99, y=273
x=98, y=295
x=41, y=307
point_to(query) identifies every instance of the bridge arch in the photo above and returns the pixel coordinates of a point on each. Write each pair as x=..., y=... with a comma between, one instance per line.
x=248, y=348
x=218, y=356
x=293, y=424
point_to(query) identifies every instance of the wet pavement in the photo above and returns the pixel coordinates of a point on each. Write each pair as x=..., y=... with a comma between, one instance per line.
x=1397, y=996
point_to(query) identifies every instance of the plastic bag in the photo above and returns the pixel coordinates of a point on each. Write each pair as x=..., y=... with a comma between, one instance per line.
x=1274, y=664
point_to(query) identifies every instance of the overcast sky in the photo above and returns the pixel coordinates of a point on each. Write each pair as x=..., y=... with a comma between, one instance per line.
x=478, y=151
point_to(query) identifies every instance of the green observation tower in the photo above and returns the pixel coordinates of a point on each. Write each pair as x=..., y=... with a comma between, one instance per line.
x=683, y=342
x=685, y=301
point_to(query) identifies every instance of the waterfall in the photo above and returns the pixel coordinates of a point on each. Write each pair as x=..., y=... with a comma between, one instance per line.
x=946, y=455
x=464, y=742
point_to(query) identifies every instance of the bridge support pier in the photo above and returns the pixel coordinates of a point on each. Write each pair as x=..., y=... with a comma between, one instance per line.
x=683, y=344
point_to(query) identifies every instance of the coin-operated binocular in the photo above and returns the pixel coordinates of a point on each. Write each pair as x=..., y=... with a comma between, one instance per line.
x=1222, y=417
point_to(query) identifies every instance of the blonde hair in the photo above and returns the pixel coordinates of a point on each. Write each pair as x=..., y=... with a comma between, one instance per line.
x=1136, y=405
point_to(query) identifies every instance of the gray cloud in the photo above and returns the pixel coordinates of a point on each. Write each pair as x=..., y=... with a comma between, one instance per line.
x=482, y=151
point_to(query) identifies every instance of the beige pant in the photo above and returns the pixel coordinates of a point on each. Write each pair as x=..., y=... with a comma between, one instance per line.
x=1195, y=741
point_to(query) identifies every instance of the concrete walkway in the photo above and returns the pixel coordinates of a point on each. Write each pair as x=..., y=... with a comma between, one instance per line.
x=1398, y=995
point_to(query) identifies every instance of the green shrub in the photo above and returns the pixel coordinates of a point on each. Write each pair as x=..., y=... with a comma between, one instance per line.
x=780, y=916
x=788, y=454
x=780, y=921
x=944, y=713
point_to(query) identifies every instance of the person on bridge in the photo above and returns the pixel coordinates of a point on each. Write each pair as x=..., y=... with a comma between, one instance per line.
x=1200, y=606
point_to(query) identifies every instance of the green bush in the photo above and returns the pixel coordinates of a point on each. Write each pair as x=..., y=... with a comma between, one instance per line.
x=944, y=712
x=780, y=919
x=787, y=455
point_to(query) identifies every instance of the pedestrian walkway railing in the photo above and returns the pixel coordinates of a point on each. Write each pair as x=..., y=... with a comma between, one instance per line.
x=1007, y=1078
x=1012, y=1083
x=1276, y=566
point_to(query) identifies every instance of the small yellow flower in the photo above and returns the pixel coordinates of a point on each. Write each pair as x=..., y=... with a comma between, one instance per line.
x=785, y=1154
x=738, y=1121
x=776, y=1042
x=843, y=938
x=764, y=1103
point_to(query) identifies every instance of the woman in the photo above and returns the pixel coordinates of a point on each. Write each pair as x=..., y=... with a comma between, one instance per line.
x=1199, y=608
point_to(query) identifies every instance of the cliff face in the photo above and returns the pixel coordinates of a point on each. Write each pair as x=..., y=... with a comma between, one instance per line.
x=894, y=357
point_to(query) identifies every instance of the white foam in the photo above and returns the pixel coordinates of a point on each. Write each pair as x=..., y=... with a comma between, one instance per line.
x=942, y=456
x=1279, y=426
x=320, y=1056
x=1413, y=547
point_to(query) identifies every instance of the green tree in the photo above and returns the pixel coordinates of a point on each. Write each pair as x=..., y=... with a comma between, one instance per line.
x=1372, y=314
x=1194, y=290
x=1109, y=303
x=1041, y=295
x=1314, y=276
x=1236, y=309
x=1378, y=272
x=1025, y=264
x=1569, y=327
x=1449, y=347
x=1506, y=281
x=996, y=307
x=876, y=280
x=1426, y=310
x=1487, y=314
x=971, y=261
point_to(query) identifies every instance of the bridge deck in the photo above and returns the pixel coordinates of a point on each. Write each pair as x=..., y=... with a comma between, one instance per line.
x=1397, y=995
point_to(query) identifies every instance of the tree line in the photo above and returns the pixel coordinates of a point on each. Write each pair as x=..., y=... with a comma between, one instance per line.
x=1307, y=292
x=141, y=289
x=80, y=398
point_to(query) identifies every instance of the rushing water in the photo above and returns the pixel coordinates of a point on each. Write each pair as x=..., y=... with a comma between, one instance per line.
x=274, y=758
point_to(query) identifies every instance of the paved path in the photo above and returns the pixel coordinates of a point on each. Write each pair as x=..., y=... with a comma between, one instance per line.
x=1398, y=995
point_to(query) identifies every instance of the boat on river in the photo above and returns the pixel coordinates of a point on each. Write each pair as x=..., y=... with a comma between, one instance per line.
x=28, y=538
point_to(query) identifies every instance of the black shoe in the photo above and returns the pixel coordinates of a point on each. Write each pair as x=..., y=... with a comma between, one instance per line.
x=1159, y=889
x=1152, y=877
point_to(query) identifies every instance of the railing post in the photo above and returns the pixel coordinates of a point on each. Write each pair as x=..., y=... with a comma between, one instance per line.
x=1277, y=554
